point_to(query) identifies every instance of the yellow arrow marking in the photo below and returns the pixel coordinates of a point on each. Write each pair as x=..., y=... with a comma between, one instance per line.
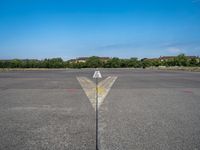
x=89, y=88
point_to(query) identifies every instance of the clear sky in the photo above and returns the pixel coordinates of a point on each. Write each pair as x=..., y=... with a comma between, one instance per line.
x=115, y=28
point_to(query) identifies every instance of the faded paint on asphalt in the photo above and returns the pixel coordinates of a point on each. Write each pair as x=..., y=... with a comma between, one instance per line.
x=90, y=89
x=144, y=109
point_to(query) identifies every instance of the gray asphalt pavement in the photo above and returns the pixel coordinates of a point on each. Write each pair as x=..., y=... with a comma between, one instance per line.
x=144, y=110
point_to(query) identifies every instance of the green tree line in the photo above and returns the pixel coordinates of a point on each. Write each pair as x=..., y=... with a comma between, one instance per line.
x=96, y=62
x=34, y=63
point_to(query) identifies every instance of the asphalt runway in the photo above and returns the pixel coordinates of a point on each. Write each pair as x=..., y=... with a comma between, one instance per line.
x=144, y=110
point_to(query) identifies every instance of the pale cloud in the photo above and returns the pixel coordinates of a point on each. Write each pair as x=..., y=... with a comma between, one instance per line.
x=196, y=1
x=197, y=48
x=117, y=46
x=174, y=50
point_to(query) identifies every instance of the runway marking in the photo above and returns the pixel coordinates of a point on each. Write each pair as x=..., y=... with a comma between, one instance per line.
x=89, y=88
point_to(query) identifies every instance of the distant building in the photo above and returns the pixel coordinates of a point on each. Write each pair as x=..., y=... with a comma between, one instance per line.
x=167, y=58
x=149, y=59
x=81, y=59
x=105, y=59
x=84, y=59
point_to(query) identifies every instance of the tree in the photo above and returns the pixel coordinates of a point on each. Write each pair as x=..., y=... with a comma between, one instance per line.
x=146, y=63
x=181, y=60
x=193, y=62
x=115, y=62
x=156, y=63
x=133, y=62
x=94, y=62
x=124, y=63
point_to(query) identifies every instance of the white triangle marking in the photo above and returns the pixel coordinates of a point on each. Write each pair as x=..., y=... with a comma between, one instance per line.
x=97, y=74
x=89, y=88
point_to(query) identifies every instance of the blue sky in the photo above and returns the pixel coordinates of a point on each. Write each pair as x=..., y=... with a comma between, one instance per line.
x=115, y=28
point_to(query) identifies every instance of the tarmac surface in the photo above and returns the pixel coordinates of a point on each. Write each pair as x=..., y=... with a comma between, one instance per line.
x=144, y=110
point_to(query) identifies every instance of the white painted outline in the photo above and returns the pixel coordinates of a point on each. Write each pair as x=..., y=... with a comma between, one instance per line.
x=89, y=88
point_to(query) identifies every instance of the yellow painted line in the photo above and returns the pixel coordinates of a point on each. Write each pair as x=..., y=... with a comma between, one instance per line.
x=89, y=88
